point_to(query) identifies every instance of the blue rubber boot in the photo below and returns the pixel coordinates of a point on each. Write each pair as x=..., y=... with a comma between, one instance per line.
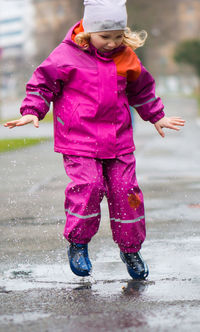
x=135, y=264
x=78, y=259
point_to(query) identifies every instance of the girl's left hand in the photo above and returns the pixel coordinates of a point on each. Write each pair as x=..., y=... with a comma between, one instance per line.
x=170, y=123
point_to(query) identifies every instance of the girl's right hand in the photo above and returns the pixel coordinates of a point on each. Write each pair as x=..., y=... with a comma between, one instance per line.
x=23, y=121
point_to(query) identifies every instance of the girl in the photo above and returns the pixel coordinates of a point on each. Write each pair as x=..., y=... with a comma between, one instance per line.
x=92, y=77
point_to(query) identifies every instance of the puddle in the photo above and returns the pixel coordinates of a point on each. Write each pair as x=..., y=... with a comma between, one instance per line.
x=102, y=283
x=60, y=276
x=23, y=317
x=174, y=274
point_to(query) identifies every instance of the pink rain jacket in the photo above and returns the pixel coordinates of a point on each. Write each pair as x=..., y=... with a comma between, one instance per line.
x=91, y=94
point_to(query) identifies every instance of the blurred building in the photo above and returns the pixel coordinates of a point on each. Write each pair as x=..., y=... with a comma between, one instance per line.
x=186, y=26
x=53, y=18
x=189, y=19
x=167, y=23
x=29, y=31
x=16, y=43
x=16, y=25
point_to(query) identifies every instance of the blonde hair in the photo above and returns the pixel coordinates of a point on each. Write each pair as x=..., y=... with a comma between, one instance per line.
x=133, y=39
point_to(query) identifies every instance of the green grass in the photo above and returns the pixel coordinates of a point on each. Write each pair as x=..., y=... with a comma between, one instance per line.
x=48, y=117
x=19, y=143
x=198, y=101
x=197, y=97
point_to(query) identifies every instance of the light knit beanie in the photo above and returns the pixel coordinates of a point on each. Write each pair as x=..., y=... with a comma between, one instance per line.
x=104, y=15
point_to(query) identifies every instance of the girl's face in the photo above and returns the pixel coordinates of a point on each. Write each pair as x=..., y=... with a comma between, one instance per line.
x=107, y=41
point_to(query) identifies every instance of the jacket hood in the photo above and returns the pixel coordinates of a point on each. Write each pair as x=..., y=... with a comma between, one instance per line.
x=73, y=31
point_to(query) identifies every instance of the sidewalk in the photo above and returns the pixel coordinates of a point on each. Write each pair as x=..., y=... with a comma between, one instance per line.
x=10, y=109
x=40, y=293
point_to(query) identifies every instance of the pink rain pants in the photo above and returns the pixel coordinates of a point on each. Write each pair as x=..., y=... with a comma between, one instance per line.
x=91, y=180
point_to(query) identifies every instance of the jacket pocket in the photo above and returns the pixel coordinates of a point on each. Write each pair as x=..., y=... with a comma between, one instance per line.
x=64, y=120
x=128, y=119
x=74, y=120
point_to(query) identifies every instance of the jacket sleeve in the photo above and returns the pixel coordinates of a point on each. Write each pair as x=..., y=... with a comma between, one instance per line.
x=44, y=85
x=141, y=95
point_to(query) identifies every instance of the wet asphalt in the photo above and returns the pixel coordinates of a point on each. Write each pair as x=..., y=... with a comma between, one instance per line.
x=38, y=292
